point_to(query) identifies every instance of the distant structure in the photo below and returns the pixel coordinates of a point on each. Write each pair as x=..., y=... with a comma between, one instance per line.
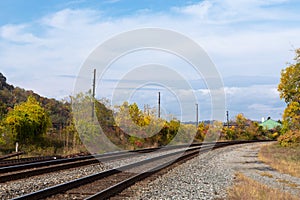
x=270, y=124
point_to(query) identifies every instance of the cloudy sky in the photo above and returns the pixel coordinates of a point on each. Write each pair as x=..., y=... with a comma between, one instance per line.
x=44, y=45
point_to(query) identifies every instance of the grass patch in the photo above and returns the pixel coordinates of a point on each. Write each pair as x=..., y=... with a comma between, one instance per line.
x=246, y=188
x=288, y=183
x=283, y=159
x=266, y=174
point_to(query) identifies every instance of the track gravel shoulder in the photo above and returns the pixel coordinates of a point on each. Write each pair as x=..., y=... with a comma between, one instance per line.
x=209, y=176
x=12, y=189
x=249, y=164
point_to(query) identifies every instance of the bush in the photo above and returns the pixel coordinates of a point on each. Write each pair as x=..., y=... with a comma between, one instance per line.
x=289, y=138
x=2, y=141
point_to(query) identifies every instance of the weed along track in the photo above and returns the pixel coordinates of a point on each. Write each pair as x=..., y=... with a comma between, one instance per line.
x=111, y=182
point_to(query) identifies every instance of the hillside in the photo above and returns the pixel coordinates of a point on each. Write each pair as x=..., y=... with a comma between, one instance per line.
x=10, y=96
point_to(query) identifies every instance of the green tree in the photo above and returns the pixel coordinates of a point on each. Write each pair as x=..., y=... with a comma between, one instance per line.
x=27, y=121
x=2, y=128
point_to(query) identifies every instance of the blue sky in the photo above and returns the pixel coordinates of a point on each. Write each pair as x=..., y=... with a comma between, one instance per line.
x=20, y=11
x=43, y=45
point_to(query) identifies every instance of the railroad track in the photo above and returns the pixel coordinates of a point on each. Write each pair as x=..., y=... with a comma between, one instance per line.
x=109, y=183
x=19, y=161
x=3, y=157
x=37, y=168
x=20, y=171
x=54, y=159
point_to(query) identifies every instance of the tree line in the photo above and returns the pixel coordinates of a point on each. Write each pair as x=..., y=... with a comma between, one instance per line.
x=39, y=122
x=126, y=126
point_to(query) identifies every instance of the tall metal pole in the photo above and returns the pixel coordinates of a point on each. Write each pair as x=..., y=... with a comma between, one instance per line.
x=227, y=116
x=93, y=94
x=197, y=116
x=158, y=104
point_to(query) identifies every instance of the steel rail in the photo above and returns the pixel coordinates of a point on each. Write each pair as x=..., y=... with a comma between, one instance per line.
x=44, y=168
x=119, y=187
x=15, y=173
x=36, y=162
x=88, y=179
x=100, y=157
x=11, y=155
x=12, y=162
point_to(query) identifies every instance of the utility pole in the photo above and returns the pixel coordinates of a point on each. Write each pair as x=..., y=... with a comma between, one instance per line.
x=197, y=116
x=158, y=104
x=93, y=94
x=146, y=109
x=227, y=115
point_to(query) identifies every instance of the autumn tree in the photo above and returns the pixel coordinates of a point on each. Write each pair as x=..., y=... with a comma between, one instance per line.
x=289, y=86
x=214, y=131
x=2, y=128
x=289, y=89
x=243, y=129
x=202, y=130
x=27, y=121
x=241, y=123
x=291, y=117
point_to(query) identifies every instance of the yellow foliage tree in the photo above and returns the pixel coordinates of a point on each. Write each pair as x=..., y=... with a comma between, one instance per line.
x=289, y=89
x=27, y=121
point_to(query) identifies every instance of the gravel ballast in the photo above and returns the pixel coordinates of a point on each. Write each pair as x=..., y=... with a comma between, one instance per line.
x=209, y=175
x=12, y=189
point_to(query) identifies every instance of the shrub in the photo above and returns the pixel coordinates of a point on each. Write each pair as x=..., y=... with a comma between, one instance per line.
x=289, y=138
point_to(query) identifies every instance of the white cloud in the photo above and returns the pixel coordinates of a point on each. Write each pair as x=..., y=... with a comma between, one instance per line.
x=242, y=37
x=232, y=90
x=264, y=108
x=200, y=10
x=232, y=11
x=17, y=33
x=69, y=18
x=255, y=101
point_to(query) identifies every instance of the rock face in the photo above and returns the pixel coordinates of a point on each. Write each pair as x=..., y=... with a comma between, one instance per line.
x=3, y=83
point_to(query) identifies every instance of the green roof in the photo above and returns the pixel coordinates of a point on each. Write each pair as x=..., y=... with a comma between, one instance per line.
x=270, y=124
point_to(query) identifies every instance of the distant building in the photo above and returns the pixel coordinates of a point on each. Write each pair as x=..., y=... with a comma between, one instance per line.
x=270, y=124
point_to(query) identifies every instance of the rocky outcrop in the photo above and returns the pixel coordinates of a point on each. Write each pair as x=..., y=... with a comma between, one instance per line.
x=4, y=84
